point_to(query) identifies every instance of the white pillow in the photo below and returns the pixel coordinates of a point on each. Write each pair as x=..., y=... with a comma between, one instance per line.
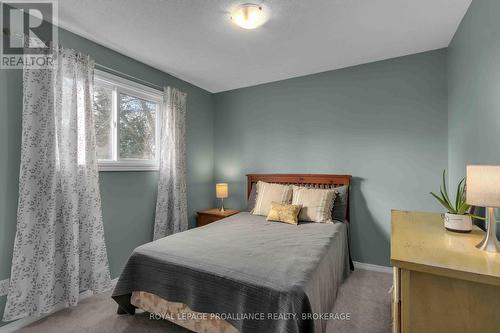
x=317, y=203
x=268, y=193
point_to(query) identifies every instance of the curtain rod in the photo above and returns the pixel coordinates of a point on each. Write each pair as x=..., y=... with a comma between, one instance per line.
x=125, y=75
x=101, y=67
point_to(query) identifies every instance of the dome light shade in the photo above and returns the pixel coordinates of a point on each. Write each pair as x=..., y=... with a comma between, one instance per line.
x=249, y=16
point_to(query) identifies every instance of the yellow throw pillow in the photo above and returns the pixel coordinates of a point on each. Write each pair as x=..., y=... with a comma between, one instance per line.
x=284, y=213
x=316, y=203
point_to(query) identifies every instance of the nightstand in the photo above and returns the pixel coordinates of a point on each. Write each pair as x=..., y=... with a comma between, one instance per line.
x=211, y=215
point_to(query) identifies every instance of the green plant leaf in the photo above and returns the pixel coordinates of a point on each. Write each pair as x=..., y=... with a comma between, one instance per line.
x=463, y=208
x=459, y=198
x=445, y=198
x=445, y=190
x=443, y=202
x=478, y=217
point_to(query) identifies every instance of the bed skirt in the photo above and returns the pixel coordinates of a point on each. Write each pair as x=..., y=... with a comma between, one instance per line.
x=180, y=314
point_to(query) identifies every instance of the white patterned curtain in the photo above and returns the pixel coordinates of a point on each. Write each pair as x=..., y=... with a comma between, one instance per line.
x=171, y=204
x=59, y=248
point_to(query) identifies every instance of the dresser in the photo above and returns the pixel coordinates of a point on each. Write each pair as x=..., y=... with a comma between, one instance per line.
x=213, y=214
x=442, y=282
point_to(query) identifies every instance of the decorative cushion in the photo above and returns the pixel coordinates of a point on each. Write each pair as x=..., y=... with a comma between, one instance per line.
x=284, y=213
x=317, y=204
x=339, y=211
x=251, y=198
x=268, y=193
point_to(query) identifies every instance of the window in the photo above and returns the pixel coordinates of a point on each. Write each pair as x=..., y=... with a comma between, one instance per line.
x=126, y=118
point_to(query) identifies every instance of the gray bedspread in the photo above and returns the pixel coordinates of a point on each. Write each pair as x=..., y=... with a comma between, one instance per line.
x=261, y=276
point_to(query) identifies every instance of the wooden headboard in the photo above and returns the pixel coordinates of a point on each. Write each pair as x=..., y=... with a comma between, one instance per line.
x=319, y=181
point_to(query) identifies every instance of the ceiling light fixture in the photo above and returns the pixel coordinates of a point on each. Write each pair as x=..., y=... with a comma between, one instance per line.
x=249, y=16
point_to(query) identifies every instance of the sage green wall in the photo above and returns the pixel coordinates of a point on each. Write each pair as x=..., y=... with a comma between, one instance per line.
x=474, y=89
x=385, y=123
x=128, y=198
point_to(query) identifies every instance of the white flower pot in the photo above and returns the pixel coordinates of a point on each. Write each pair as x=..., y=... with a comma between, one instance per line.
x=457, y=223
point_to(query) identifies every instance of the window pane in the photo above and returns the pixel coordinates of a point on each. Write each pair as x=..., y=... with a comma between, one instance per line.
x=137, y=128
x=103, y=97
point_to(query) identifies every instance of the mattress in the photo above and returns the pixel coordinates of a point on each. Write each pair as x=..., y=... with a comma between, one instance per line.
x=257, y=275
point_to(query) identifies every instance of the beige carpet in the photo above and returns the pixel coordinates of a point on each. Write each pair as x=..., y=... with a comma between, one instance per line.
x=364, y=295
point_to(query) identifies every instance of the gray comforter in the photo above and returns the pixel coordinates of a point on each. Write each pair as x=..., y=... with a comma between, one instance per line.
x=260, y=276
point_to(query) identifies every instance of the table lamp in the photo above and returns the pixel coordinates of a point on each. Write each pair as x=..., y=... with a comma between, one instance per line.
x=221, y=192
x=483, y=189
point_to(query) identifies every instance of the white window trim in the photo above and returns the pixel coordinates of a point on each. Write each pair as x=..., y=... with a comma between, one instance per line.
x=128, y=165
x=121, y=85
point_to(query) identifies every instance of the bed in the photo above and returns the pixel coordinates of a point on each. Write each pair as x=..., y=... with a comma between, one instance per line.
x=243, y=273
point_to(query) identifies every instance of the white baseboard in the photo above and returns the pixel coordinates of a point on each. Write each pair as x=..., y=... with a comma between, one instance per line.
x=20, y=323
x=371, y=267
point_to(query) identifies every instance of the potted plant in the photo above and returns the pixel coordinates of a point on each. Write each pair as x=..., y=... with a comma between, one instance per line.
x=458, y=217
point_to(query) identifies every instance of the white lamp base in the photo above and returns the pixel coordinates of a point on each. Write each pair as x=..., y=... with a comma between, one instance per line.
x=222, y=206
x=490, y=242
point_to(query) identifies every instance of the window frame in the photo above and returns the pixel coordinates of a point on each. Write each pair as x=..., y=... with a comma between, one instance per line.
x=119, y=85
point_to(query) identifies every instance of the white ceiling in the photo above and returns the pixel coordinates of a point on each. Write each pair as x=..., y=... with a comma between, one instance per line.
x=195, y=40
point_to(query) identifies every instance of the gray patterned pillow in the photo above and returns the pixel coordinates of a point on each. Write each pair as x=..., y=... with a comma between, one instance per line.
x=268, y=193
x=339, y=211
x=251, y=198
x=317, y=203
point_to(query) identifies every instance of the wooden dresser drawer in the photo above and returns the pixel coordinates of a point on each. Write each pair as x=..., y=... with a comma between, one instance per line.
x=207, y=219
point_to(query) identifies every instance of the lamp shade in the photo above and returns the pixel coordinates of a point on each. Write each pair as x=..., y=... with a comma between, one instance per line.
x=221, y=190
x=483, y=185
